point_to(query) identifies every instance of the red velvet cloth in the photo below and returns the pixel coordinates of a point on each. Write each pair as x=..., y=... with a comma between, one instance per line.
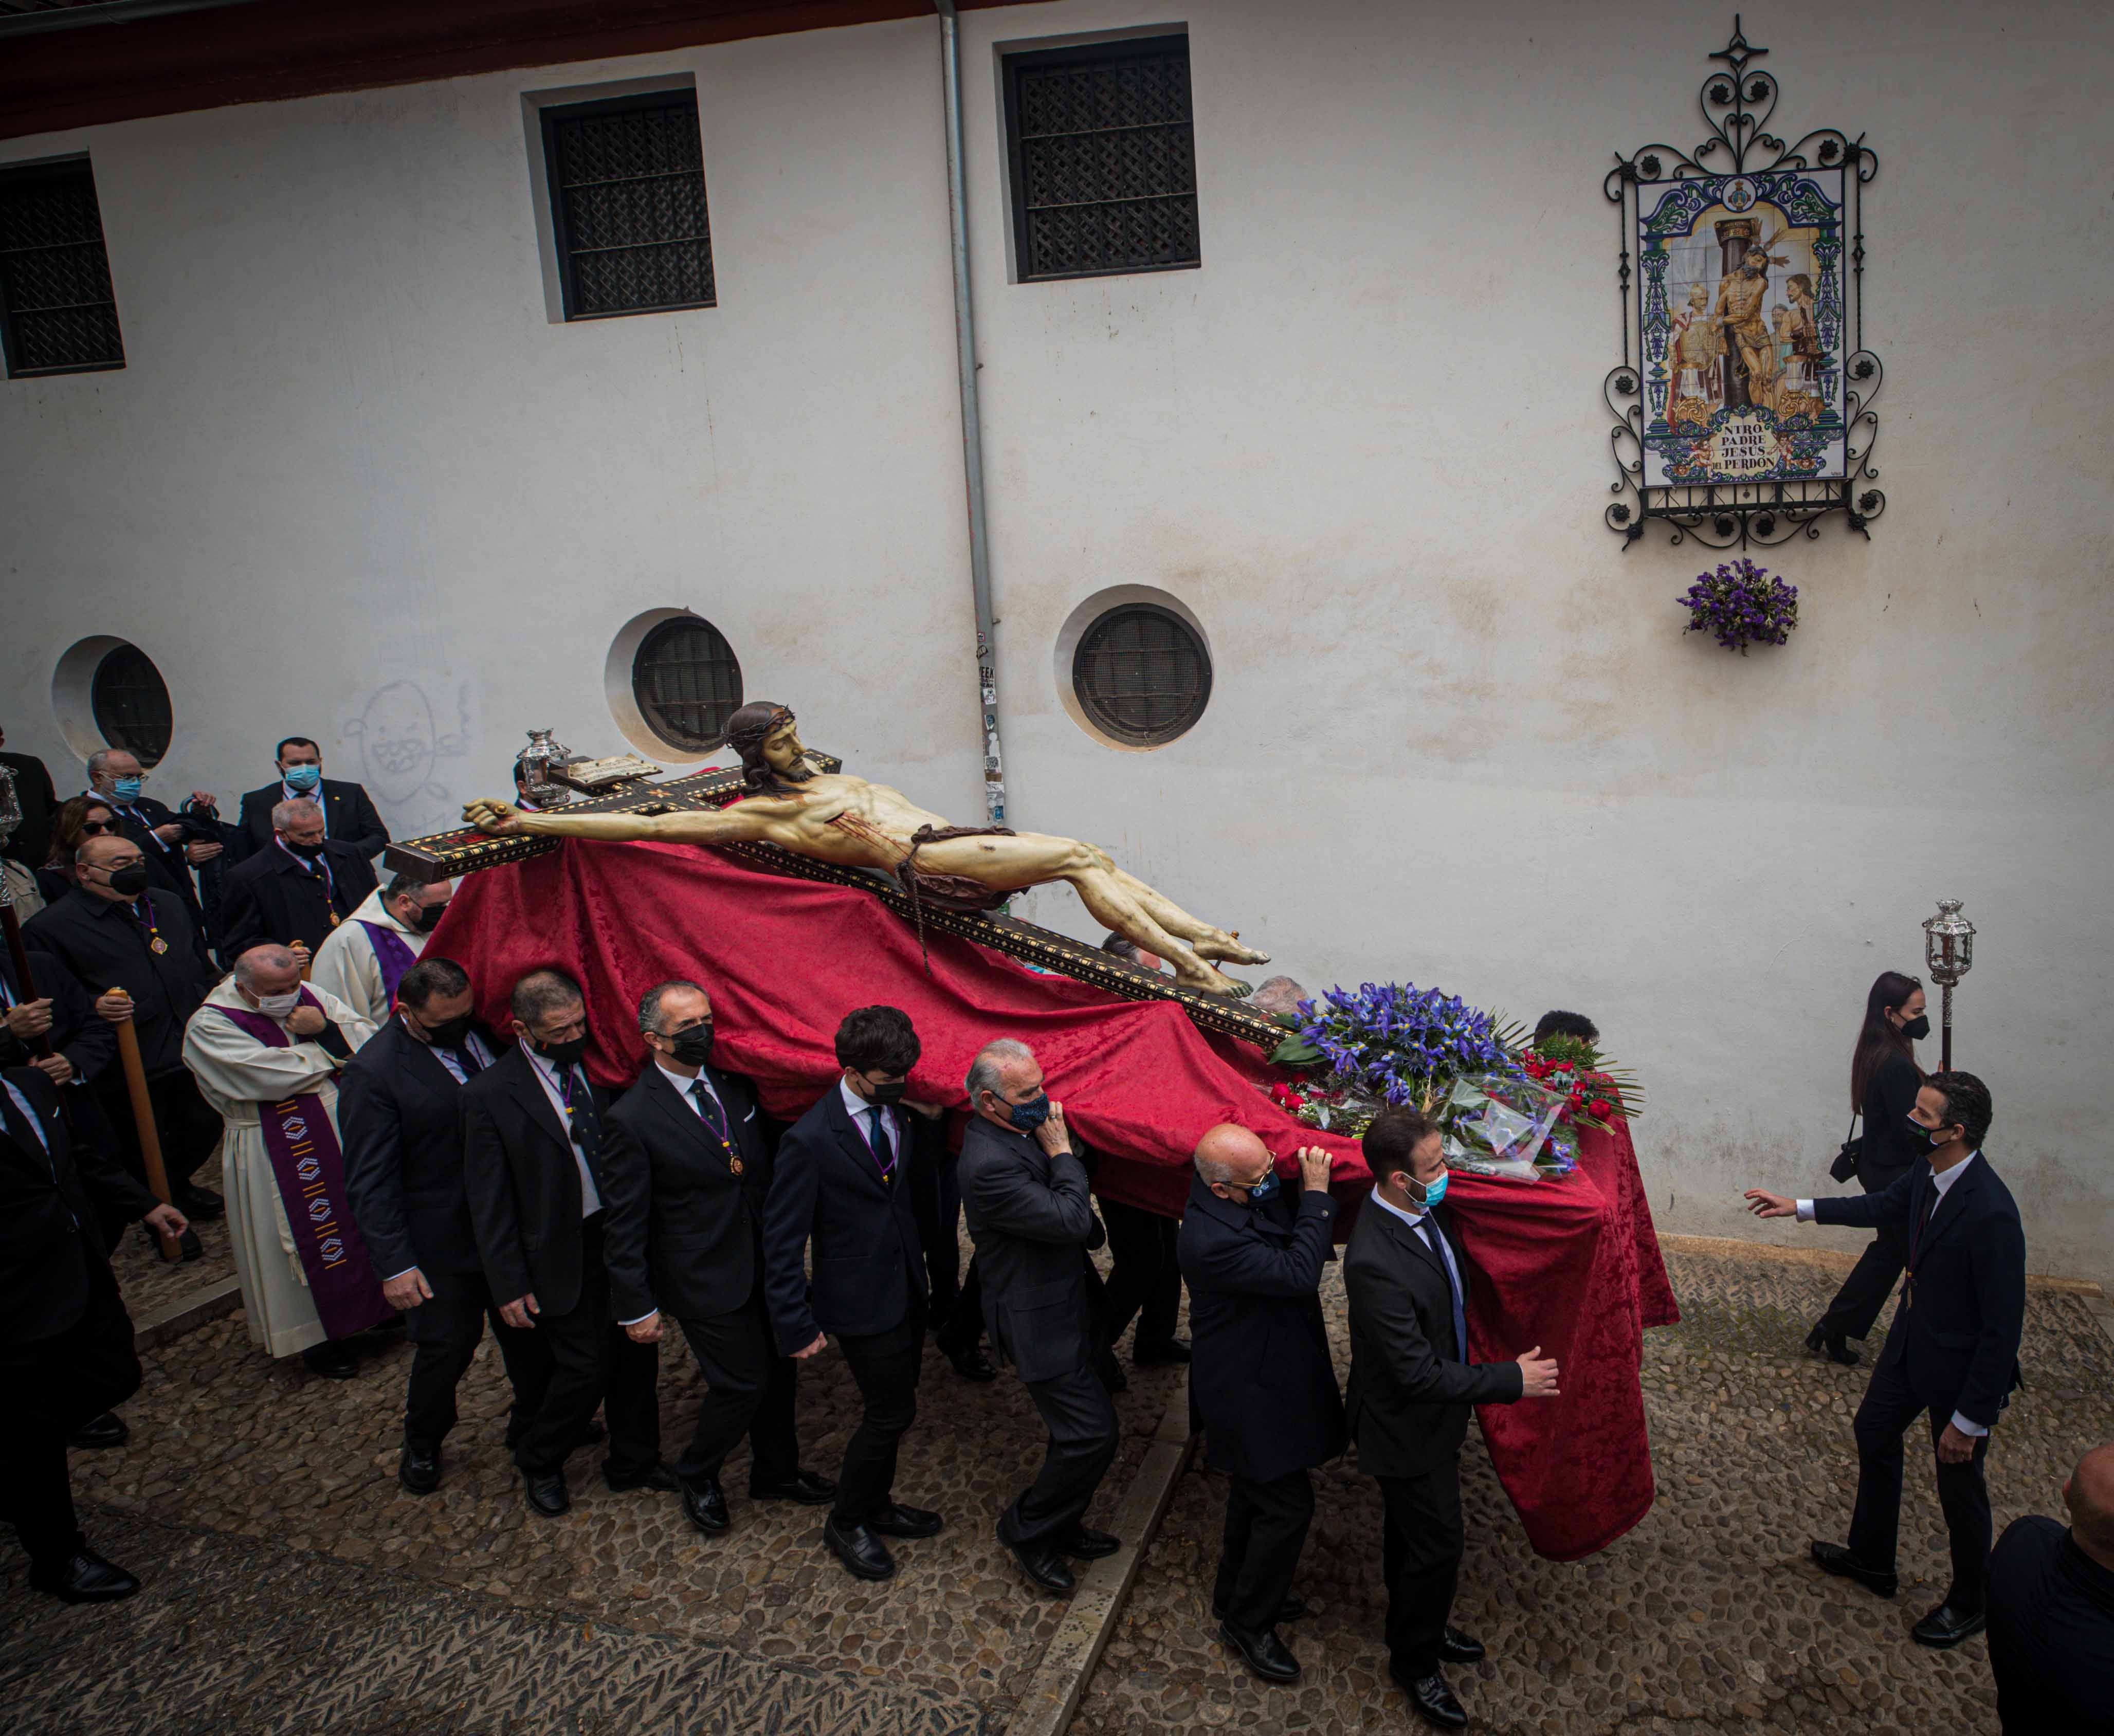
x=1571, y=1266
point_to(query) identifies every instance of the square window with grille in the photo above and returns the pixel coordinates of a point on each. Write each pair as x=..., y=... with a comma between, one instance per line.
x=59, y=313
x=628, y=205
x=1104, y=158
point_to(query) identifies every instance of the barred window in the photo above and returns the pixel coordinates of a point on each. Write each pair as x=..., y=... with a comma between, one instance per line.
x=131, y=703
x=687, y=682
x=628, y=205
x=1104, y=158
x=1141, y=674
x=57, y=311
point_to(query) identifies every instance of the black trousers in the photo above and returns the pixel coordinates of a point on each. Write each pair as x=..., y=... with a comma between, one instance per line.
x=188, y=1127
x=964, y=1328
x=445, y=1332
x=1076, y=1410
x=885, y=1365
x=593, y=1362
x=1422, y=1557
x=1883, y=1419
x=936, y=1204
x=749, y=1389
x=1879, y=1269
x=1144, y=1278
x=1266, y=1529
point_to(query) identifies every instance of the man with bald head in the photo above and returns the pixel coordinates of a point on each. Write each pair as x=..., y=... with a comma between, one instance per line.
x=2052, y=1612
x=1259, y=1373
x=265, y=1049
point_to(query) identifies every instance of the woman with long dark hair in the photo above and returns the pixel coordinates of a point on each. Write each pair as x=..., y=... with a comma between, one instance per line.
x=1884, y=1080
x=75, y=819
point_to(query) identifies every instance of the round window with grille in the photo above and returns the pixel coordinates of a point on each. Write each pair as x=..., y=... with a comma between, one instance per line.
x=131, y=703
x=1142, y=675
x=687, y=682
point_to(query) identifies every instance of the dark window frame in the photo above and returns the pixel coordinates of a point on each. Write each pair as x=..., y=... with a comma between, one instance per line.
x=1095, y=705
x=1084, y=54
x=59, y=169
x=119, y=719
x=549, y=118
x=651, y=708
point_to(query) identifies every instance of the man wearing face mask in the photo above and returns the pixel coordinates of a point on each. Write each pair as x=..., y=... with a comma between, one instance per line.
x=1024, y=1194
x=265, y=1049
x=363, y=961
x=535, y=1128
x=166, y=845
x=687, y=1166
x=1406, y=1276
x=1259, y=1373
x=1952, y=1351
x=134, y=952
x=841, y=1182
x=349, y=815
x=400, y=1106
x=295, y=892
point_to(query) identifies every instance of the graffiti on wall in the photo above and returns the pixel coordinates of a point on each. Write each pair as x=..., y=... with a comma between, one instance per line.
x=405, y=743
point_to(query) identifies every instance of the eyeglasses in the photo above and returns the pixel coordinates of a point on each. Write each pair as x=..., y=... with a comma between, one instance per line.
x=99, y=828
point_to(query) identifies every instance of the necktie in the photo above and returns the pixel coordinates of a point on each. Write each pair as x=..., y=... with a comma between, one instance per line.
x=708, y=1107
x=884, y=1148
x=1437, y=1240
x=585, y=1125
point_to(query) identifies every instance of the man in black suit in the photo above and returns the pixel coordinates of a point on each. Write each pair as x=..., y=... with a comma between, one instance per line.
x=1259, y=1373
x=1952, y=1351
x=31, y=842
x=349, y=815
x=295, y=891
x=133, y=947
x=688, y=1163
x=401, y=1122
x=533, y=1126
x=1024, y=1192
x=2052, y=1612
x=170, y=848
x=839, y=1182
x=66, y=1341
x=1411, y=1385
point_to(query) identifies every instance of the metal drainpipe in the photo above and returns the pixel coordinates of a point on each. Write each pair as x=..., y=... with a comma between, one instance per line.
x=972, y=451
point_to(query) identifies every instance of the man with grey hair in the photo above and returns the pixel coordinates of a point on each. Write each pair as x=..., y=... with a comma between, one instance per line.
x=1024, y=1191
x=116, y=777
x=295, y=891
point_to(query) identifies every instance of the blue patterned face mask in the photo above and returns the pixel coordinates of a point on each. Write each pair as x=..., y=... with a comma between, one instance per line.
x=1263, y=1189
x=1029, y=1115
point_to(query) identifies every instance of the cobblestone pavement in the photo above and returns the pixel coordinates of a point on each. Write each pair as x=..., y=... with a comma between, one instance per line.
x=1708, y=1617
x=149, y=1282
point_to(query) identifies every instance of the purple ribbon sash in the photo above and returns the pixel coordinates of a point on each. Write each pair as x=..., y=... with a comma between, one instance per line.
x=392, y=955
x=310, y=1168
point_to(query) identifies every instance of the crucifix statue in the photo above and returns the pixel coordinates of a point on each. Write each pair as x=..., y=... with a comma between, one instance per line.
x=833, y=817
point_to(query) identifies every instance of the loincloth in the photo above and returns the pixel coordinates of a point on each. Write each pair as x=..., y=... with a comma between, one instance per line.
x=955, y=892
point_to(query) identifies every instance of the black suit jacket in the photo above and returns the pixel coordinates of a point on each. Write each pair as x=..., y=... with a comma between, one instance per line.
x=349, y=817
x=524, y=1185
x=1409, y=1394
x=89, y=1042
x=166, y=869
x=686, y=1232
x=1259, y=1369
x=106, y=946
x=272, y=895
x=31, y=842
x=1957, y=1334
x=1886, y=1148
x=2051, y=1632
x=53, y=1259
x=1032, y=1220
x=827, y=1189
x=401, y=1122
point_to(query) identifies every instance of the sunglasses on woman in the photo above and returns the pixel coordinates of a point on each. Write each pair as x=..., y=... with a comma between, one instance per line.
x=100, y=828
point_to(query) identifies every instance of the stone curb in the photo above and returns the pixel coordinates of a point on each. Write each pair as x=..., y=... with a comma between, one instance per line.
x=190, y=1311
x=1054, y=1693
x=1831, y=1260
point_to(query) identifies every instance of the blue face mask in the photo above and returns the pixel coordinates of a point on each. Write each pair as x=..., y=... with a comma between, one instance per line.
x=303, y=777
x=1029, y=1115
x=127, y=789
x=1263, y=1189
x=1435, y=1191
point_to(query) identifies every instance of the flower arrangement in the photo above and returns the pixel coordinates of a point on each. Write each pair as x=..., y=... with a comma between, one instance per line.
x=1743, y=605
x=1397, y=1044
x=1594, y=1094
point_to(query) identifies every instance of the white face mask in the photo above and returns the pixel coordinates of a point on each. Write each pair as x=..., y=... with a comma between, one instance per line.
x=279, y=1005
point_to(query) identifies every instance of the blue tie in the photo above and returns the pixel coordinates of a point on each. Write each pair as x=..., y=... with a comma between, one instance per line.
x=1438, y=1241
x=883, y=1148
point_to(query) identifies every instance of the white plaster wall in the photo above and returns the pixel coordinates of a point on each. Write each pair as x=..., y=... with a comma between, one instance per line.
x=1456, y=735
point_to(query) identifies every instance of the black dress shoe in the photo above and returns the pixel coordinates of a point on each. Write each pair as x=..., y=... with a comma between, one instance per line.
x=1263, y=1653
x=1946, y=1627
x=865, y=1556
x=1292, y=1609
x=653, y=1476
x=704, y=1504
x=97, y=1433
x=331, y=1360
x=1087, y=1544
x=1043, y=1566
x=1822, y=1342
x=804, y=1486
x=544, y=1492
x=1834, y=1559
x=418, y=1469
x=1433, y=1701
x=188, y=1246
x=972, y=1365
x=1159, y=1356
x=1458, y=1648
x=200, y=1205
x=896, y=1520
x=83, y=1576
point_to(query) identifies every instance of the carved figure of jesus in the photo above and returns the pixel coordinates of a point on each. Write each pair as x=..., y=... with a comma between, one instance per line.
x=845, y=819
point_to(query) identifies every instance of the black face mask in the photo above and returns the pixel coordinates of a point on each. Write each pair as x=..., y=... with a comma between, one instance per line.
x=448, y=1034
x=1924, y=1140
x=890, y=1092
x=307, y=852
x=130, y=881
x=1917, y=1028
x=567, y=1053
x=428, y=918
x=691, y=1048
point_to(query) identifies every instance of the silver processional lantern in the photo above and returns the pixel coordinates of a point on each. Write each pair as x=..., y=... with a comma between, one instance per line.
x=1948, y=954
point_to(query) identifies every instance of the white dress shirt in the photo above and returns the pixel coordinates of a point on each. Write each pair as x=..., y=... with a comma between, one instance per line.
x=546, y=1075
x=29, y=1116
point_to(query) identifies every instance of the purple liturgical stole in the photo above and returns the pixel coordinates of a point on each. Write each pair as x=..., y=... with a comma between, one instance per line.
x=391, y=954
x=310, y=1168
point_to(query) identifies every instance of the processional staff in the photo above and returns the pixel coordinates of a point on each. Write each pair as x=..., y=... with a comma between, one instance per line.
x=1948, y=954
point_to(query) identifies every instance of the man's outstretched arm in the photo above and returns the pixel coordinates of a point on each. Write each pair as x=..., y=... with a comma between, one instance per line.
x=745, y=822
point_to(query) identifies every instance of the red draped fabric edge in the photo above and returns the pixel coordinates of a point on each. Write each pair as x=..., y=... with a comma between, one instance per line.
x=1572, y=1266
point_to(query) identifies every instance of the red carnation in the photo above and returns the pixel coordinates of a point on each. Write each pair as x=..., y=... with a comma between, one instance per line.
x=1598, y=1108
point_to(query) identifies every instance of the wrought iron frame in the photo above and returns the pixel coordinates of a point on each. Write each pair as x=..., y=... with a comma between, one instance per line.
x=1737, y=103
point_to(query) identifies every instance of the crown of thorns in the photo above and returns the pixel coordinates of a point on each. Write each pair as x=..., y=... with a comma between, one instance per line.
x=747, y=738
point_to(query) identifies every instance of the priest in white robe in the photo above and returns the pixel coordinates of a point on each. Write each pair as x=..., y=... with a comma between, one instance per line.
x=266, y=1048
x=363, y=958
